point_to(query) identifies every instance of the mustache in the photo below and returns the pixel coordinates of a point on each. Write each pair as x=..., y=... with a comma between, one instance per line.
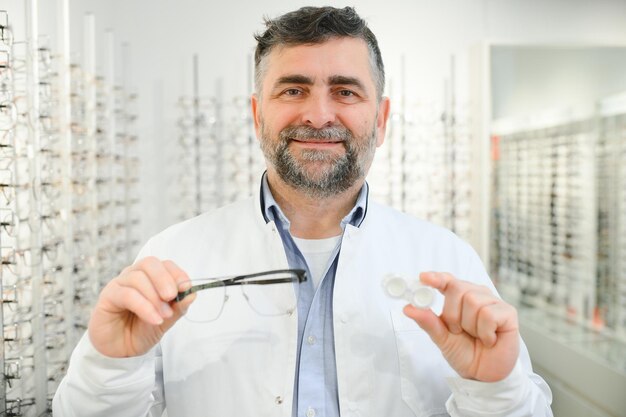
x=327, y=134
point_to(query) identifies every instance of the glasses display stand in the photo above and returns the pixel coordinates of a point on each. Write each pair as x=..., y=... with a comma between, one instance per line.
x=218, y=158
x=424, y=166
x=559, y=188
x=68, y=201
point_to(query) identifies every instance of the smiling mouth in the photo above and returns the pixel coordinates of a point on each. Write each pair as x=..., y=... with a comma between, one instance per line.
x=318, y=145
x=316, y=142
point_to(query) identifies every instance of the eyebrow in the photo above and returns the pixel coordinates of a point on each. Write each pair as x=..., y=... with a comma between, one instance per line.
x=332, y=80
x=345, y=80
x=293, y=79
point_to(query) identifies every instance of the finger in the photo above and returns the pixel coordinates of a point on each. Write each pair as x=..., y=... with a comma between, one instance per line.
x=428, y=321
x=184, y=304
x=177, y=273
x=160, y=277
x=183, y=283
x=140, y=281
x=130, y=299
x=126, y=270
x=438, y=280
x=474, y=301
x=453, y=291
x=179, y=307
x=495, y=320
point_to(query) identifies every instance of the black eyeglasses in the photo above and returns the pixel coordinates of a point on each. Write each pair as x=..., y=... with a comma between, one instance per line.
x=269, y=293
x=6, y=34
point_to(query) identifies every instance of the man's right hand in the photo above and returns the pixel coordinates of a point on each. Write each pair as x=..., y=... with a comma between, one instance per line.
x=135, y=309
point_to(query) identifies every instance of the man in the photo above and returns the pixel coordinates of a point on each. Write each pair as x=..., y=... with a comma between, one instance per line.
x=349, y=349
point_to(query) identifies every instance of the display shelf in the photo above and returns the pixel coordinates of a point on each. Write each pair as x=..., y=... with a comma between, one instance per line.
x=583, y=366
x=57, y=199
x=217, y=154
x=559, y=216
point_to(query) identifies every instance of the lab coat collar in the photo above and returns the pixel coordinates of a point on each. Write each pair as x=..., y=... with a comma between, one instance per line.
x=271, y=210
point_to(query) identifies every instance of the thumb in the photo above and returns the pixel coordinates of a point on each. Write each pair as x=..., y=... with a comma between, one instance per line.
x=179, y=309
x=428, y=321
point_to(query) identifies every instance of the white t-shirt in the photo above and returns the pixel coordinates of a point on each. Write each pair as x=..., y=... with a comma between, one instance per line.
x=317, y=255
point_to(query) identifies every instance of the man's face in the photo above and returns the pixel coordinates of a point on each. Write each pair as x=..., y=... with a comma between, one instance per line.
x=318, y=118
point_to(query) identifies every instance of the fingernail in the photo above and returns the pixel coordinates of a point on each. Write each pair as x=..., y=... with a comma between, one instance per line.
x=166, y=310
x=427, y=274
x=172, y=292
x=158, y=320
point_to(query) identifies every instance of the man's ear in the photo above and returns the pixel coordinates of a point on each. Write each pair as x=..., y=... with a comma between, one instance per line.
x=255, y=107
x=381, y=122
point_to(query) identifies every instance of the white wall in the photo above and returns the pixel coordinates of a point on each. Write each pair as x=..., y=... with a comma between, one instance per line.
x=531, y=79
x=163, y=35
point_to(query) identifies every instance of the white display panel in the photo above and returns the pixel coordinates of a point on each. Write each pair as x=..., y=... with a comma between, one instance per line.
x=68, y=178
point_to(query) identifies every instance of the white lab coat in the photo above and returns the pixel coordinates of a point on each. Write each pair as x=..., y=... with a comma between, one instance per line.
x=243, y=364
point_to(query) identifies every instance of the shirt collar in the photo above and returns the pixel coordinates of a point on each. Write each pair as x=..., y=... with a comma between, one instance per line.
x=272, y=211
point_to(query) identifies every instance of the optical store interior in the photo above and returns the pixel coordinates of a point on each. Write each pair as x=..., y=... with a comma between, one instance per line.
x=507, y=126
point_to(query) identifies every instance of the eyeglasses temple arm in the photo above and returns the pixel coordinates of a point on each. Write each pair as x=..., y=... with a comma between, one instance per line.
x=240, y=280
x=182, y=294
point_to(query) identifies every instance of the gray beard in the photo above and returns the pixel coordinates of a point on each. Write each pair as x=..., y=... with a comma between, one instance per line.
x=341, y=172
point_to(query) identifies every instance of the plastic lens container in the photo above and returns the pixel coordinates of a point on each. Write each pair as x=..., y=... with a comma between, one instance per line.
x=418, y=295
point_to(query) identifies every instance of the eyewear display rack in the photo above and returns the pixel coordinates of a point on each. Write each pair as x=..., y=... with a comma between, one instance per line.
x=68, y=207
x=217, y=153
x=546, y=216
x=424, y=166
x=558, y=254
x=611, y=185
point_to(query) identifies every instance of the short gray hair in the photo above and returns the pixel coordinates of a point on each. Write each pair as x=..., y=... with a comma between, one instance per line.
x=312, y=25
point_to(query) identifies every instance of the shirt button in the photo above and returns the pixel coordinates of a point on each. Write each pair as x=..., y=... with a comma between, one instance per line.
x=343, y=318
x=310, y=412
x=311, y=340
x=278, y=400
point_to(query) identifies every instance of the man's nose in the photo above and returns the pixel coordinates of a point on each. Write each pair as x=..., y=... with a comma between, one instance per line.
x=318, y=112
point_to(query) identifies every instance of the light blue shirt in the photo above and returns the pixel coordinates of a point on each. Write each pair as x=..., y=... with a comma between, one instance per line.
x=315, y=385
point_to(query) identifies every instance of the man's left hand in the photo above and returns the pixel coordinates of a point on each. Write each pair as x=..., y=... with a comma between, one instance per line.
x=477, y=332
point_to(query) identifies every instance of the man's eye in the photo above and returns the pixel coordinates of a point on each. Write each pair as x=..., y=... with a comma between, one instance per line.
x=292, y=92
x=346, y=93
